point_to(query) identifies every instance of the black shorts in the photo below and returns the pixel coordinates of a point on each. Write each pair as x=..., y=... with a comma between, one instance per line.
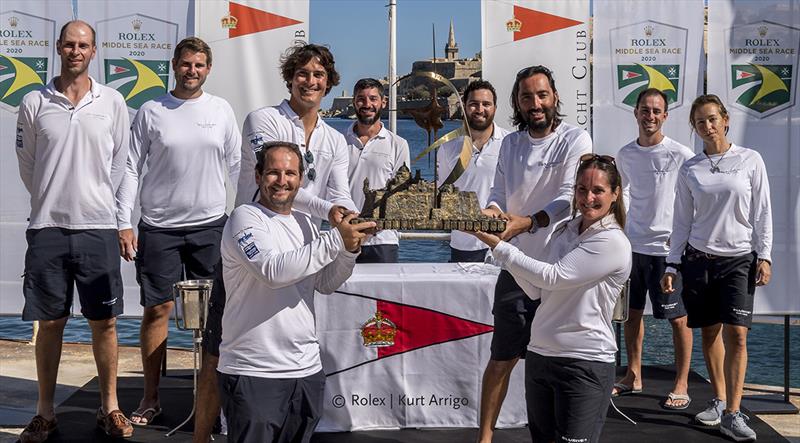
x=513, y=314
x=459, y=256
x=212, y=334
x=169, y=255
x=378, y=254
x=718, y=289
x=567, y=398
x=271, y=410
x=58, y=260
x=646, y=274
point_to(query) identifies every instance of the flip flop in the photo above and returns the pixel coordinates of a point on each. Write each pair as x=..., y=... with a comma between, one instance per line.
x=623, y=389
x=672, y=397
x=143, y=416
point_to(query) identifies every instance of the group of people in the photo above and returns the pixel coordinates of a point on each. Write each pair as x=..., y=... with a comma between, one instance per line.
x=693, y=231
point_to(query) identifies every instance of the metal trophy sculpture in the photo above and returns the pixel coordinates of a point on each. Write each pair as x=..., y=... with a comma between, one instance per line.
x=191, y=310
x=411, y=203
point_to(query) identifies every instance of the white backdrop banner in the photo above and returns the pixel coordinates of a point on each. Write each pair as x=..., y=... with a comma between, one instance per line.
x=405, y=346
x=753, y=67
x=522, y=33
x=640, y=45
x=28, y=61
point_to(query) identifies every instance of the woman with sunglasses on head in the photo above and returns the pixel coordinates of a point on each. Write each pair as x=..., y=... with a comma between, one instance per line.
x=569, y=366
x=721, y=243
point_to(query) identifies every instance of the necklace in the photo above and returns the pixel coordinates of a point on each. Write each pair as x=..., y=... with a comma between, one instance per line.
x=715, y=166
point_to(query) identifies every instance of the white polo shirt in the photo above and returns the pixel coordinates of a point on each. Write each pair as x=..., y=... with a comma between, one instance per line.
x=377, y=160
x=72, y=158
x=478, y=177
x=281, y=123
x=189, y=146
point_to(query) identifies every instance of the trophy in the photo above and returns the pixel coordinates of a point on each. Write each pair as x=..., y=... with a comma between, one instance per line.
x=191, y=310
x=622, y=305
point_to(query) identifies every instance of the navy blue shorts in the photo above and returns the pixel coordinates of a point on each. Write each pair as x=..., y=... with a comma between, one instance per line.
x=169, y=255
x=212, y=335
x=271, y=409
x=460, y=256
x=646, y=274
x=718, y=289
x=513, y=314
x=58, y=260
x=378, y=254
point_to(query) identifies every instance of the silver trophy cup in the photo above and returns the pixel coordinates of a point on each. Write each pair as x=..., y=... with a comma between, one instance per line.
x=622, y=306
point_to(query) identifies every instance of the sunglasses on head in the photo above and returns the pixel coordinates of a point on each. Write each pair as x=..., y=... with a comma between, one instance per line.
x=530, y=70
x=601, y=158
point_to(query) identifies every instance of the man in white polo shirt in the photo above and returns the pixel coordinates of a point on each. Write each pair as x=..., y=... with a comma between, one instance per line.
x=480, y=105
x=649, y=168
x=189, y=142
x=72, y=144
x=375, y=154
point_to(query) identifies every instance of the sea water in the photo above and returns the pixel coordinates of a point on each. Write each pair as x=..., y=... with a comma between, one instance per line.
x=765, y=341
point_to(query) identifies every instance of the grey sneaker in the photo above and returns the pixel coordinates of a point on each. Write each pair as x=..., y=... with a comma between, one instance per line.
x=712, y=414
x=734, y=425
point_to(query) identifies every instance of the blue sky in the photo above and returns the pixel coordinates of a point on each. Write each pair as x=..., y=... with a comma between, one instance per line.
x=357, y=32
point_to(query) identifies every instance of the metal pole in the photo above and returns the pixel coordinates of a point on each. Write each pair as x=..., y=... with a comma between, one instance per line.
x=786, y=358
x=393, y=66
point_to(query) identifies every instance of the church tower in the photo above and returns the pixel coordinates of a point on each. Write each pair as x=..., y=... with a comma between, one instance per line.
x=451, y=48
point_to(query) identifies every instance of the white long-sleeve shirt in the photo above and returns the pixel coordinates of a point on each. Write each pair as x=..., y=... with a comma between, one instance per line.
x=649, y=174
x=725, y=213
x=271, y=265
x=580, y=280
x=188, y=147
x=281, y=123
x=72, y=158
x=478, y=177
x=378, y=160
x=538, y=174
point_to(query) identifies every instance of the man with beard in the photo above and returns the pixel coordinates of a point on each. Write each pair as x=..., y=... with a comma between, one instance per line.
x=309, y=72
x=72, y=143
x=532, y=190
x=375, y=154
x=189, y=141
x=649, y=168
x=480, y=104
x=273, y=259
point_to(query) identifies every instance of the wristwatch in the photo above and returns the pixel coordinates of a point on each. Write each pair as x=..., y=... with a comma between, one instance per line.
x=534, y=224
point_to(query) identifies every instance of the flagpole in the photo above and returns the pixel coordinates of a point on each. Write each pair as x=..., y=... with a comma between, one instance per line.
x=393, y=66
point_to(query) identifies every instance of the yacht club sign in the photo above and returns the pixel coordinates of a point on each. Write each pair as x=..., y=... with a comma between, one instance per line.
x=27, y=50
x=644, y=55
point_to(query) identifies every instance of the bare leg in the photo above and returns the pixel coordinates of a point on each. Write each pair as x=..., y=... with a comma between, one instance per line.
x=104, y=346
x=48, y=356
x=634, y=337
x=496, y=377
x=207, y=399
x=682, y=344
x=735, y=340
x=153, y=340
x=714, y=354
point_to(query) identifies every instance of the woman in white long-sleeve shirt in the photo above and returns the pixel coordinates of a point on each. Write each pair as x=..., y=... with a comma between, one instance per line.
x=569, y=367
x=721, y=243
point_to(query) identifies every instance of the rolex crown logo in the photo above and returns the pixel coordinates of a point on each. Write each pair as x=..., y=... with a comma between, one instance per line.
x=137, y=24
x=762, y=30
x=648, y=31
x=378, y=332
x=513, y=25
x=13, y=21
x=229, y=21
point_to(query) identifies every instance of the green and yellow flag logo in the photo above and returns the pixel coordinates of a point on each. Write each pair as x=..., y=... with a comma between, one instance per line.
x=137, y=80
x=662, y=77
x=769, y=85
x=19, y=76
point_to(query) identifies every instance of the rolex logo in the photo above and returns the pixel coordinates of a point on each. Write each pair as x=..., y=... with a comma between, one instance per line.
x=762, y=31
x=648, y=31
x=229, y=21
x=513, y=25
x=137, y=24
x=13, y=21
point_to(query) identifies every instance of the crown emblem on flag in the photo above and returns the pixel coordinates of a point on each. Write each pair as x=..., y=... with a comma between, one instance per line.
x=137, y=24
x=513, y=25
x=13, y=21
x=648, y=30
x=378, y=332
x=229, y=21
x=762, y=31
